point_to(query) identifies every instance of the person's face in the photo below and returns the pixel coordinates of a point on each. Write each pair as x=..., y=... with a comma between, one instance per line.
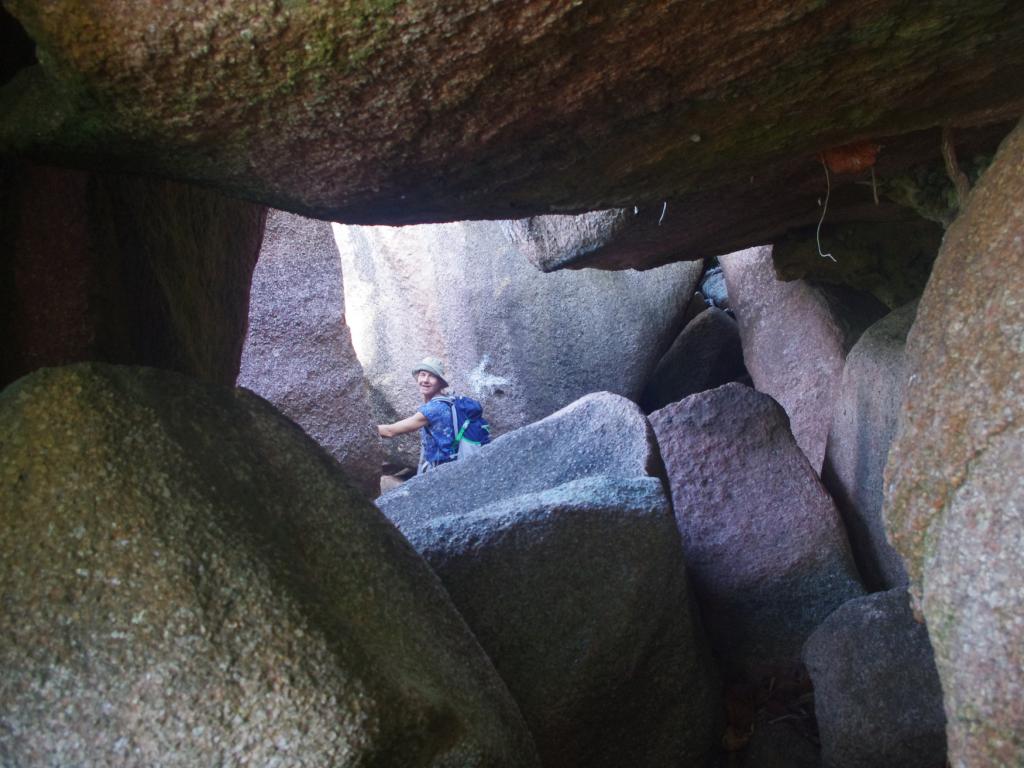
x=428, y=384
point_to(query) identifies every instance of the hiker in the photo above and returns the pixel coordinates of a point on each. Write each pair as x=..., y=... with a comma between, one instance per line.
x=449, y=426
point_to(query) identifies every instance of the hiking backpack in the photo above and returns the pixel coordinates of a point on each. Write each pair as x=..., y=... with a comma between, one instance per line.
x=469, y=427
x=468, y=424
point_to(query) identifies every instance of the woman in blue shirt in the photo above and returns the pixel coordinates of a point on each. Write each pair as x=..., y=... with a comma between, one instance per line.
x=433, y=418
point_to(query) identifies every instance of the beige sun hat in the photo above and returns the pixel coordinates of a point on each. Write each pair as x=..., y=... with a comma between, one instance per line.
x=431, y=365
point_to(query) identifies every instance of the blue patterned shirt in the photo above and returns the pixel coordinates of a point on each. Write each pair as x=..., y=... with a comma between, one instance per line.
x=437, y=437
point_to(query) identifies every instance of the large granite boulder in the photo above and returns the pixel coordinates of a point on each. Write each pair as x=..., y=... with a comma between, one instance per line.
x=795, y=340
x=122, y=269
x=578, y=594
x=189, y=580
x=298, y=350
x=761, y=538
x=863, y=425
x=877, y=695
x=423, y=111
x=707, y=354
x=954, y=503
x=522, y=342
x=601, y=434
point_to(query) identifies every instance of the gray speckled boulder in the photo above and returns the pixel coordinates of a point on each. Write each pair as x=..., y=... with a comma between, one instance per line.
x=188, y=580
x=522, y=342
x=579, y=596
x=795, y=339
x=762, y=540
x=863, y=425
x=954, y=483
x=705, y=355
x=877, y=695
x=600, y=434
x=298, y=350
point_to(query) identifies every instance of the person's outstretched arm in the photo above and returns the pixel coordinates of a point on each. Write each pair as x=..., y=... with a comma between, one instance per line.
x=410, y=424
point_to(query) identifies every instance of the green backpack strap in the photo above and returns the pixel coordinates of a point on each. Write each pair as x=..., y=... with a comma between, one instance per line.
x=456, y=430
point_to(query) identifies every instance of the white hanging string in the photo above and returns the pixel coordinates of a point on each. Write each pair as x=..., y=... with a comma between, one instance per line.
x=824, y=210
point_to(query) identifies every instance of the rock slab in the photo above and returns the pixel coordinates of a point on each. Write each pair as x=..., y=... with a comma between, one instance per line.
x=298, y=350
x=954, y=499
x=578, y=593
x=761, y=538
x=795, y=340
x=877, y=695
x=188, y=579
x=600, y=434
x=421, y=111
x=863, y=426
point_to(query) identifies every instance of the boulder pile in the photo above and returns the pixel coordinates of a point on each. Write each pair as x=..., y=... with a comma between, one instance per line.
x=558, y=545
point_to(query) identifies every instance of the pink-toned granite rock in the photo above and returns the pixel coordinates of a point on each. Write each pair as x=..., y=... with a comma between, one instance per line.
x=761, y=537
x=298, y=350
x=795, y=339
x=954, y=494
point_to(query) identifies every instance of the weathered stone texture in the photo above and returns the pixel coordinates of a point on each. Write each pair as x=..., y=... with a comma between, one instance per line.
x=578, y=593
x=298, y=350
x=419, y=111
x=599, y=434
x=123, y=269
x=877, y=695
x=524, y=343
x=954, y=503
x=189, y=580
x=795, y=339
x=707, y=354
x=761, y=538
x=863, y=426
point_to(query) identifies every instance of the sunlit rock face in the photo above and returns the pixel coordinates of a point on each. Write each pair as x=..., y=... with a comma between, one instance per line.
x=424, y=111
x=122, y=269
x=954, y=482
x=298, y=351
x=522, y=342
x=189, y=579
